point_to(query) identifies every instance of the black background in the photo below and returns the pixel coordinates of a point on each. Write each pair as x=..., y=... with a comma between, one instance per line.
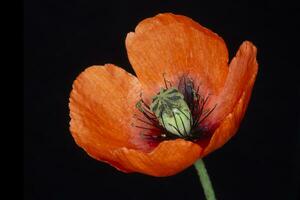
x=62, y=38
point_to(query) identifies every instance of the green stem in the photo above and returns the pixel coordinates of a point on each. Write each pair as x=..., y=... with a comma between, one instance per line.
x=204, y=179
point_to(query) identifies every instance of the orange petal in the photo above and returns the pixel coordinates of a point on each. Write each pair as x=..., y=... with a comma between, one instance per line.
x=176, y=45
x=169, y=158
x=234, y=98
x=102, y=103
x=101, y=106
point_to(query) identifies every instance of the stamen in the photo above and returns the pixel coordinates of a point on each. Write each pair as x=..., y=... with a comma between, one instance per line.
x=148, y=117
x=166, y=86
x=207, y=114
x=201, y=112
x=148, y=123
x=166, y=82
x=183, y=102
x=146, y=128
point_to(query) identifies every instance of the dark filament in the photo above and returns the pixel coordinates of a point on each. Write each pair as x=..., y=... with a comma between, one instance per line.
x=196, y=103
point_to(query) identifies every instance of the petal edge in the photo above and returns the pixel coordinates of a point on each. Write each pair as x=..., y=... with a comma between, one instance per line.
x=175, y=45
x=100, y=118
x=169, y=158
x=229, y=125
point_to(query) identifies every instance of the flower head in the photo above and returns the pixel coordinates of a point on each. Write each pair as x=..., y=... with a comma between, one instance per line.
x=185, y=102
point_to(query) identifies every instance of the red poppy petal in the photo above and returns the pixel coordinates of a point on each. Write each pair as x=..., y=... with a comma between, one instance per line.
x=176, y=45
x=234, y=98
x=102, y=103
x=101, y=106
x=169, y=158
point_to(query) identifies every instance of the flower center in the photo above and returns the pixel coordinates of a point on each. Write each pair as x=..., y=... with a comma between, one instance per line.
x=172, y=111
x=175, y=112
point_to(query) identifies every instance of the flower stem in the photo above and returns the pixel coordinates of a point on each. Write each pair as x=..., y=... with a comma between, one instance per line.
x=205, y=180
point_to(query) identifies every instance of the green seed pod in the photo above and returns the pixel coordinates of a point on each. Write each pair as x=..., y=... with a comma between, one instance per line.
x=172, y=111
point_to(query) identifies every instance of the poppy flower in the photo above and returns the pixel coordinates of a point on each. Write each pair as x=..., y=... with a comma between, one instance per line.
x=185, y=101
